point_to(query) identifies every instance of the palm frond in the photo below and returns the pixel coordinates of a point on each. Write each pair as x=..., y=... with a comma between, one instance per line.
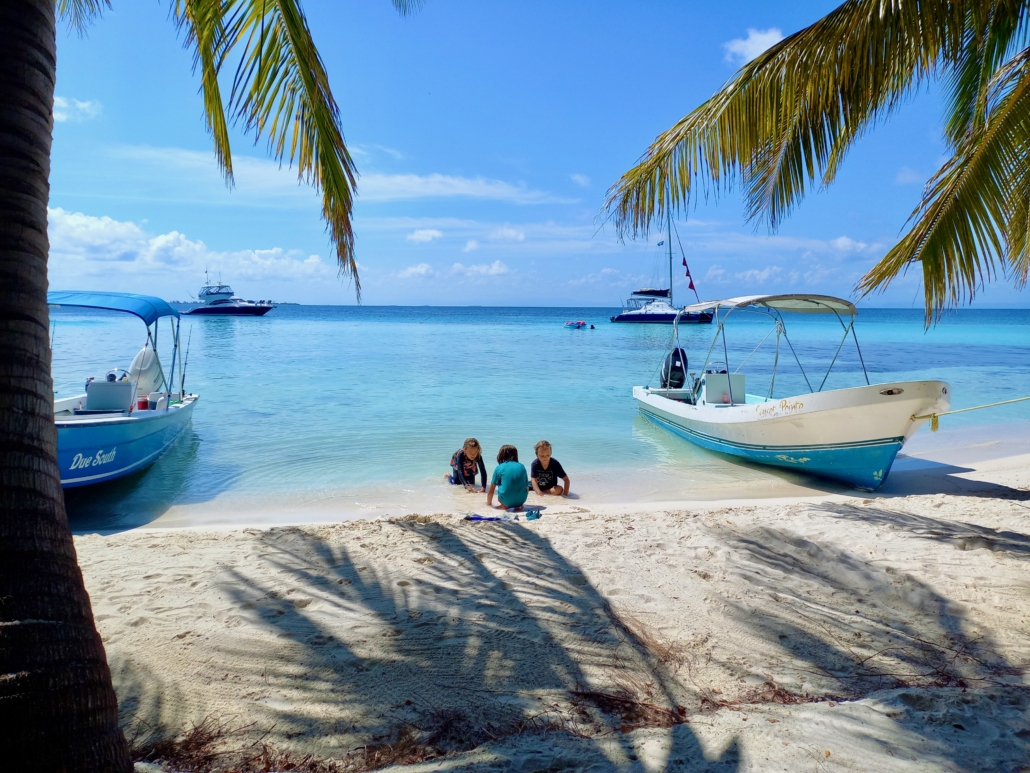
x=205, y=33
x=280, y=91
x=1017, y=231
x=993, y=30
x=788, y=117
x=81, y=13
x=408, y=7
x=962, y=228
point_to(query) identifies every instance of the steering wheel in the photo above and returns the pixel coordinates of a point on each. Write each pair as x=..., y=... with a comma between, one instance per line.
x=118, y=374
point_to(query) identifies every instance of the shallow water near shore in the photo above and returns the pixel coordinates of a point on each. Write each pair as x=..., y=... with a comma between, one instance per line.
x=358, y=409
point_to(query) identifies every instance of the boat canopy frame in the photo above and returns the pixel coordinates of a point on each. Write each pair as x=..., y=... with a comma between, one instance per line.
x=148, y=308
x=774, y=306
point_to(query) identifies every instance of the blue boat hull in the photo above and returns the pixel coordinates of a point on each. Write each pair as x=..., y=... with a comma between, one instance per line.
x=864, y=465
x=103, y=449
x=702, y=318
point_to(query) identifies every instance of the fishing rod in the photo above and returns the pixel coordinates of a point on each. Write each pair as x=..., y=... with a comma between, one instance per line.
x=185, y=362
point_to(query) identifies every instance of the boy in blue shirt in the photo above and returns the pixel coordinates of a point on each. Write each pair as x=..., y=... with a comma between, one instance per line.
x=509, y=480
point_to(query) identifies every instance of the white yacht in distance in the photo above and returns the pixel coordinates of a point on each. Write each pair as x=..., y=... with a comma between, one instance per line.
x=217, y=299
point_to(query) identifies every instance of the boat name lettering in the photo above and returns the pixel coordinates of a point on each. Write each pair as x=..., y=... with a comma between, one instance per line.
x=784, y=406
x=81, y=462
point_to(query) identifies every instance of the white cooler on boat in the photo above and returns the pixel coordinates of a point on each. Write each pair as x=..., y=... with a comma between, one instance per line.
x=109, y=395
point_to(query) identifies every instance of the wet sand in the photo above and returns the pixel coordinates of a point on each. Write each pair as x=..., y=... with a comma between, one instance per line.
x=929, y=462
x=822, y=631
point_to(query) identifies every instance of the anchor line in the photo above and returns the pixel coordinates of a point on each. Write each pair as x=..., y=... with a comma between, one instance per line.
x=933, y=417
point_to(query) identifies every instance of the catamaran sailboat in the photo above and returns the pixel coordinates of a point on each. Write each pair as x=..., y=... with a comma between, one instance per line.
x=655, y=305
x=850, y=435
x=126, y=420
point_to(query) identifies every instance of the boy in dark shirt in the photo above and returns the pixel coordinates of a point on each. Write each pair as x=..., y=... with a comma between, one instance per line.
x=465, y=464
x=546, y=471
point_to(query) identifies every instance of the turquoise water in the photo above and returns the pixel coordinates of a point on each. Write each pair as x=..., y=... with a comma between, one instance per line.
x=311, y=401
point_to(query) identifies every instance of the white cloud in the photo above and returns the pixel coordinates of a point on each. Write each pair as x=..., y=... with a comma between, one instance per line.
x=397, y=155
x=606, y=276
x=580, y=179
x=756, y=275
x=75, y=110
x=260, y=178
x=506, y=233
x=908, y=176
x=88, y=251
x=483, y=269
x=404, y=187
x=847, y=244
x=470, y=246
x=424, y=235
x=715, y=273
x=743, y=50
x=421, y=270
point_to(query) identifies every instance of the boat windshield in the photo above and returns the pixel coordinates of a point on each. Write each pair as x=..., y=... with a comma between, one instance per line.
x=215, y=290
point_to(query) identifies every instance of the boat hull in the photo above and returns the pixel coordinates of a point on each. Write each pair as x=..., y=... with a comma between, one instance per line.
x=97, y=449
x=849, y=435
x=229, y=311
x=663, y=318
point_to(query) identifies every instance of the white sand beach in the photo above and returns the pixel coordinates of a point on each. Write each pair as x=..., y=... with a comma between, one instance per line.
x=823, y=631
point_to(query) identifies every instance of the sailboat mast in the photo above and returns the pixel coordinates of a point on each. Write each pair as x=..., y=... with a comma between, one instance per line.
x=668, y=240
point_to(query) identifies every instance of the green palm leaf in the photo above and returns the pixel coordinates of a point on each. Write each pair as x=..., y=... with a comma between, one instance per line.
x=279, y=90
x=788, y=117
x=79, y=13
x=970, y=215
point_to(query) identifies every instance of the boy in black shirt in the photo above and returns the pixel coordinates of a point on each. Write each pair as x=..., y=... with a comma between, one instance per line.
x=546, y=472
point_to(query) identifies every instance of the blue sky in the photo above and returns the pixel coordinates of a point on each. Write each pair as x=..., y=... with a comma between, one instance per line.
x=486, y=135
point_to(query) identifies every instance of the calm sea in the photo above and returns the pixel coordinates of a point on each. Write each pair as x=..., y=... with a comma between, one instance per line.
x=364, y=405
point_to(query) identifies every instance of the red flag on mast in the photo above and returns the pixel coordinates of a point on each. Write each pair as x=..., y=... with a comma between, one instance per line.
x=688, y=273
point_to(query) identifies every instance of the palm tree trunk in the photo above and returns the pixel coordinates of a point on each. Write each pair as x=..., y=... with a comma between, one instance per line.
x=58, y=710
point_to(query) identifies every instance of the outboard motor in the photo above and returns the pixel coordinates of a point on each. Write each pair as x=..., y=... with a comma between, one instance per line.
x=674, y=369
x=145, y=371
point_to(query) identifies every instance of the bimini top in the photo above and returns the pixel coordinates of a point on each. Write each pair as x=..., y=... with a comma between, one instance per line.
x=802, y=304
x=146, y=307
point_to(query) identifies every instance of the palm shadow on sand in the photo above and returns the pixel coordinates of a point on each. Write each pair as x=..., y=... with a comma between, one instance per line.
x=476, y=633
x=469, y=656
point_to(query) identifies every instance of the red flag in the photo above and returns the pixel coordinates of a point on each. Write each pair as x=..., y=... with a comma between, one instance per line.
x=684, y=263
x=691, y=282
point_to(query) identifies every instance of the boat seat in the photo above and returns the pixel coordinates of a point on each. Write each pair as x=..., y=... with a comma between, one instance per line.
x=109, y=395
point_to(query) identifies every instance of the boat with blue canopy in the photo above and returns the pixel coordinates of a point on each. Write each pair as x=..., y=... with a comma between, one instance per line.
x=124, y=420
x=851, y=435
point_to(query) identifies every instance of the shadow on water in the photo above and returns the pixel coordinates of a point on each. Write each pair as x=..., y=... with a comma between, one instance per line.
x=136, y=500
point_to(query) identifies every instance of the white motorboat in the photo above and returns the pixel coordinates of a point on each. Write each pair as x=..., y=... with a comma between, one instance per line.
x=217, y=299
x=124, y=421
x=851, y=435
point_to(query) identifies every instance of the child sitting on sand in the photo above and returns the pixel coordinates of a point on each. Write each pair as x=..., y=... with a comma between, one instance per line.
x=509, y=480
x=546, y=471
x=464, y=465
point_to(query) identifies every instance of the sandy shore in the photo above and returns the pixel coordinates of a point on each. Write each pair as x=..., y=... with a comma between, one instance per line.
x=826, y=632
